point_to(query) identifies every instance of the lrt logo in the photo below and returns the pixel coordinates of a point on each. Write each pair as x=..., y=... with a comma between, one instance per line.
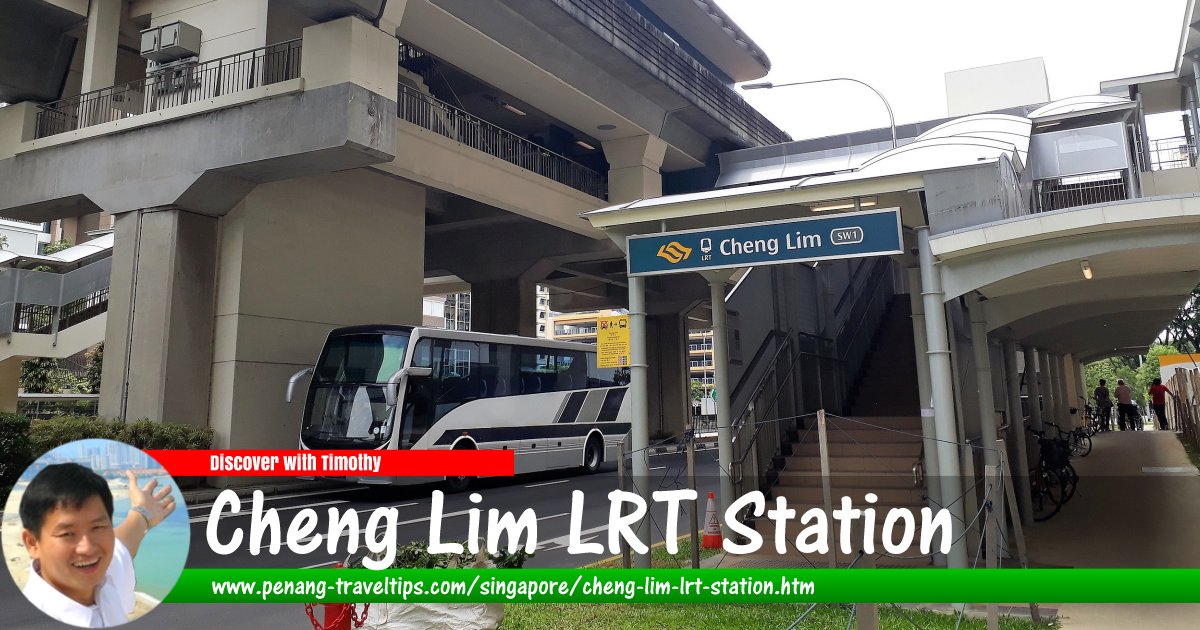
x=674, y=253
x=846, y=236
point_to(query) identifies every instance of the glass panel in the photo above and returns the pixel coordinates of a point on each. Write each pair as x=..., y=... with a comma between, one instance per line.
x=366, y=358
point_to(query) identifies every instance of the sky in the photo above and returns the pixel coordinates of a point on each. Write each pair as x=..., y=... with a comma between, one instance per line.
x=904, y=47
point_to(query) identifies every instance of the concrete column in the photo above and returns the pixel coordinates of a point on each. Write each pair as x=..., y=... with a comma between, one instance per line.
x=506, y=307
x=639, y=431
x=298, y=258
x=983, y=382
x=1050, y=408
x=634, y=167
x=1016, y=433
x=933, y=482
x=1057, y=376
x=669, y=405
x=1074, y=390
x=100, y=46
x=716, y=286
x=209, y=316
x=1032, y=387
x=10, y=383
x=159, y=336
x=942, y=388
x=350, y=49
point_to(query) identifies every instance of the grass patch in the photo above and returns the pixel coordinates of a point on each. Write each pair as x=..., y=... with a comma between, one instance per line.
x=1192, y=453
x=660, y=558
x=749, y=616
x=700, y=616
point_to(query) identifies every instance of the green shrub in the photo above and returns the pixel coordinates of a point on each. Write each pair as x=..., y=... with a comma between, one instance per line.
x=94, y=366
x=16, y=452
x=415, y=555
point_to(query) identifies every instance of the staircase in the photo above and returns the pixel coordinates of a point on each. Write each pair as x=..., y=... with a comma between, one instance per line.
x=873, y=454
x=887, y=383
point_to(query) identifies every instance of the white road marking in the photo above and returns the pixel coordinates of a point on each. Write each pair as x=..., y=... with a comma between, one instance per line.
x=202, y=519
x=208, y=506
x=658, y=468
x=548, y=483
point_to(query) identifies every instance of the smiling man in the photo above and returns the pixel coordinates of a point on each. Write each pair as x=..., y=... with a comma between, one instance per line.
x=82, y=566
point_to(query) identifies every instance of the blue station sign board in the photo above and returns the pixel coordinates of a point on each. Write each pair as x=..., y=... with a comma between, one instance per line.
x=848, y=235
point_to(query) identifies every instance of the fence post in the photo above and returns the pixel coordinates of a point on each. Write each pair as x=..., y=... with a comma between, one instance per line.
x=621, y=484
x=994, y=496
x=826, y=489
x=691, y=466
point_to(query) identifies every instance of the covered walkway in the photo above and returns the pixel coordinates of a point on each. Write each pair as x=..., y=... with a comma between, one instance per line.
x=1138, y=506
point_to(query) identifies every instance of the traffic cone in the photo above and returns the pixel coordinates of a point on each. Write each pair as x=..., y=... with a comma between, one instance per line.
x=712, y=526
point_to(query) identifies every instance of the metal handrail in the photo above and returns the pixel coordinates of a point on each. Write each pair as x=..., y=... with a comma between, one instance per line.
x=170, y=87
x=438, y=116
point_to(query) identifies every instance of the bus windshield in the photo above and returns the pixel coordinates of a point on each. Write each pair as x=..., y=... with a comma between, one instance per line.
x=346, y=407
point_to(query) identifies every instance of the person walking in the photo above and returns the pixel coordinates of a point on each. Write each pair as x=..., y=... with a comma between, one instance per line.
x=1126, y=408
x=1104, y=406
x=1158, y=402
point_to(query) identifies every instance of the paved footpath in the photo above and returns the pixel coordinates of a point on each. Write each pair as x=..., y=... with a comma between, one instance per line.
x=1138, y=506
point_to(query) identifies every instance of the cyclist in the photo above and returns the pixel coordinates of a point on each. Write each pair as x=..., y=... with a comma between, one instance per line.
x=1104, y=406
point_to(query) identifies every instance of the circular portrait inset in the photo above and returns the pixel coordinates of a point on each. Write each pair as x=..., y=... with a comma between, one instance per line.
x=95, y=533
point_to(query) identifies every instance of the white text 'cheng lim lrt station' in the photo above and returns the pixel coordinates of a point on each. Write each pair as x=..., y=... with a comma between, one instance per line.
x=905, y=310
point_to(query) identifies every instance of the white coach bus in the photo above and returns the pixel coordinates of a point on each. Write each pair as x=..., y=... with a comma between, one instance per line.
x=403, y=387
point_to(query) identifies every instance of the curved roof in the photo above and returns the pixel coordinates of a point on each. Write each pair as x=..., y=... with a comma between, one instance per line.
x=1013, y=130
x=1079, y=104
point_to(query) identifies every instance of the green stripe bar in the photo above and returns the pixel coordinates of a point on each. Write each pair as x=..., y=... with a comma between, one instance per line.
x=1150, y=586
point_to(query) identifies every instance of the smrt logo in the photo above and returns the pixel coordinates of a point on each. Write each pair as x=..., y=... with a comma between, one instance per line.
x=674, y=252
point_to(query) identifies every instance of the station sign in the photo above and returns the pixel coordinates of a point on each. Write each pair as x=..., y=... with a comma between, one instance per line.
x=847, y=235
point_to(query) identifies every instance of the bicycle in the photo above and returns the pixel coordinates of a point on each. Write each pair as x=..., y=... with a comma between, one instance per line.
x=1053, y=478
x=1078, y=439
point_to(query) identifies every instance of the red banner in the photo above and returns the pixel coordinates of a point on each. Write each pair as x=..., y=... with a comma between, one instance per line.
x=295, y=463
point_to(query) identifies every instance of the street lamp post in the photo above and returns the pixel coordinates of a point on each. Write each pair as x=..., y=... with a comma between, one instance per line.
x=766, y=85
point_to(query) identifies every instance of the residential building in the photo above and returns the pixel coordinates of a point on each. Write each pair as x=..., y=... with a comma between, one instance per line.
x=579, y=327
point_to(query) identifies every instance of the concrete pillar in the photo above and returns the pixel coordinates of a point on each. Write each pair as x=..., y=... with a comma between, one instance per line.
x=634, y=167
x=933, y=482
x=716, y=285
x=159, y=336
x=1016, y=433
x=10, y=383
x=639, y=434
x=350, y=49
x=942, y=387
x=209, y=316
x=1074, y=390
x=1046, y=371
x=1033, y=387
x=100, y=46
x=298, y=258
x=506, y=307
x=1057, y=376
x=983, y=383
x=669, y=404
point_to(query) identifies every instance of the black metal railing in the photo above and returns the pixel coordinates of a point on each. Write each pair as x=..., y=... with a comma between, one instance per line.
x=1081, y=190
x=39, y=319
x=440, y=117
x=644, y=44
x=171, y=87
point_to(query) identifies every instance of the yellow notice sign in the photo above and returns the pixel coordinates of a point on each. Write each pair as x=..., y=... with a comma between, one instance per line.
x=612, y=341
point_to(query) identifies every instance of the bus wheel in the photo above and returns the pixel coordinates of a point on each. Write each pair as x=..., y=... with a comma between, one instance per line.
x=459, y=484
x=593, y=455
x=455, y=485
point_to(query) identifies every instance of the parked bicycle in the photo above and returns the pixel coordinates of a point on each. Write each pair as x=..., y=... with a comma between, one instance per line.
x=1053, y=480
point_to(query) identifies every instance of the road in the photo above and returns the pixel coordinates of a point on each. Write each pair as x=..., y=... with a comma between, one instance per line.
x=549, y=495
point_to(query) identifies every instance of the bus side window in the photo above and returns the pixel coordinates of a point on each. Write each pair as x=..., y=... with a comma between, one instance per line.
x=572, y=370
x=423, y=353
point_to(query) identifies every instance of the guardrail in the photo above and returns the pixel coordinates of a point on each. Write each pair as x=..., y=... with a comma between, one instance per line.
x=43, y=302
x=1167, y=153
x=1079, y=190
x=443, y=118
x=171, y=87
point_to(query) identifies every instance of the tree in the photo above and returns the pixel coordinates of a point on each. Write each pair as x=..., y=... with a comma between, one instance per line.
x=37, y=375
x=1184, y=330
x=697, y=390
x=1149, y=370
x=95, y=364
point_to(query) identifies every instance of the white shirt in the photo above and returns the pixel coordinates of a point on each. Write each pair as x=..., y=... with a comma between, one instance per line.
x=114, y=597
